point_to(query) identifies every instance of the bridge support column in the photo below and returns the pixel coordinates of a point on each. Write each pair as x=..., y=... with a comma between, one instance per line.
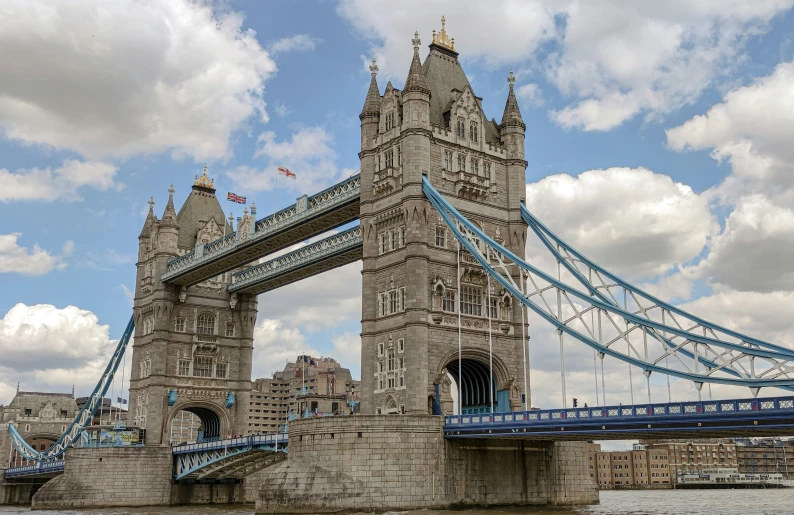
x=16, y=493
x=376, y=463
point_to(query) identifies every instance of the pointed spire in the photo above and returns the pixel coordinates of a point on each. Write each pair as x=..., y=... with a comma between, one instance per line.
x=169, y=215
x=372, y=103
x=150, y=219
x=512, y=115
x=416, y=79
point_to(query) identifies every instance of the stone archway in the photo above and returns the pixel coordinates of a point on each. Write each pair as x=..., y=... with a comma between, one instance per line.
x=473, y=371
x=390, y=406
x=196, y=421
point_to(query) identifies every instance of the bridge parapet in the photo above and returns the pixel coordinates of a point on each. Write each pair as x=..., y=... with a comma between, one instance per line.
x=304, y=209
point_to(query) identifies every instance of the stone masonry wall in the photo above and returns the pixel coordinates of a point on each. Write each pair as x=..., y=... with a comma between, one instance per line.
x=381, y=463
x=139, y=476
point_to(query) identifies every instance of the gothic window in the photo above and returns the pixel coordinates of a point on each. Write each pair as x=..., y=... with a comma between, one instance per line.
x=400, y=345
x=377, y=410
x=400, y=363
x=475, y=166
x=402, y=236
x=390, y=360
x=492, y=306
x=402, y=299
x=393, y=303
x=471, y=300
x=441, y=237
x=461, y=163
x=473, y=132
x=148, y=325
x=205, y=323
x=220, y=370
x=448, y=303
x=179, y=325
x=389, y=158
x=202, y=366
x=506, y=308
x=389, y=121
x=384, y=243
x=380, y=366
x=184, y=368
x=399, y=155
x=384, y=304
x=229, y=329
x=391, y=380
x=146, y=368
x=461, y=128
x=486, y=169
x=380, y=349
x=447, y=160
x=394, y=239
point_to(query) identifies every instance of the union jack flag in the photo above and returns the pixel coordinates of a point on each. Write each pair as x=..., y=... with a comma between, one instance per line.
x=285, y=171
x=233, y=197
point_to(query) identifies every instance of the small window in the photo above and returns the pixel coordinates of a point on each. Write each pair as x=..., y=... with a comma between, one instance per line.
x=441, y=237
x=486, y=166
x=493, y=303
x=475, y=166
x=461, y=128
x=384, y=304
x=229, y=330
x=401, y=298
x=473, y=132
x=64, y=413
x=377, y=412
x=391, y=381
x=401, y=345
x=43, y=447
x=390, y=159
x=184, y=368
x=28, y=411
x=27, y=427
x=461, y=163
x=393, y=303
x=471, y=301
x=380, y=349
x=334, y=407
x=179, y=325
x=399, y=155
x=384, y=243
x=448, y=302
x=394, y=239
x=220, y=370
x=391, y=361
x=448, y=160
x=402, y=236
x=206, y=323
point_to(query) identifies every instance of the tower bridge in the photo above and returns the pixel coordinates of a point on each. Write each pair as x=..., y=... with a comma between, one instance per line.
x=446, y=293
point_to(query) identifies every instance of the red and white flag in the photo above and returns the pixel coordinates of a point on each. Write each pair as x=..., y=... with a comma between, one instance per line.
x=233, y=197
x=285, y=171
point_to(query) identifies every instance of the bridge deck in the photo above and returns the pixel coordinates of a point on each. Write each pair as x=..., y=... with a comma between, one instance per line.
x=44, y=469
x=233, y=458
x=332, y=252
x=307, y=218
x=701, y=419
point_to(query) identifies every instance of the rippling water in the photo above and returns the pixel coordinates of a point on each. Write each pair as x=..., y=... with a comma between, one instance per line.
x=655, y=502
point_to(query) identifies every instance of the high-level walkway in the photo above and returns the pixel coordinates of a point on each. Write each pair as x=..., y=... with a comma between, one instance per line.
x=308, y=217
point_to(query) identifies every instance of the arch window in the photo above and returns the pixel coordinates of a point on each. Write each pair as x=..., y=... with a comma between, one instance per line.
x=474, y=132
x=179, y=325
x=205, y=323
x=229, y=329
x=389, y=121
x=461, y=163
x=221, y=370
x=448, y=301
x=447, y=160
x=461, y=128
x=441, y=237
x=475, y=166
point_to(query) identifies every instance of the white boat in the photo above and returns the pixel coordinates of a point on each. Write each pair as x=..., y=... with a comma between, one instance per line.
x=731, y=478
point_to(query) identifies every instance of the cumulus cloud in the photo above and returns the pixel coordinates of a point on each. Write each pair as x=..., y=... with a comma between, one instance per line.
x=347, y=351
x=275, y=344
x=296, y=43
x=635, y=222
x=751, y=253
x=34, y=261
x=530, y=94
x=308, y=153
x=749, y=129
x=131, y=77
x=616, y=59
x=63, y=183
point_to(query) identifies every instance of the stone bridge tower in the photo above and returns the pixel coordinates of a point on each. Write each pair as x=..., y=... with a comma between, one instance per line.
x=436, y=126
x=193, y=346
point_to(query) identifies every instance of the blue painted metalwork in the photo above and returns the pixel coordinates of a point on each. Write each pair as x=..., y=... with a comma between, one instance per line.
x=225, y=458
x=230, y=400
x=324, y=249
x=171, y=397
x=306, y=208
x=38, y=469
x=778, y=362
x=692, y=416
x=84, y=416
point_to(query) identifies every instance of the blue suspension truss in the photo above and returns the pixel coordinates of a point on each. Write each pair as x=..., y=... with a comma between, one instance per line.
x=84, y=417
x=597, y=319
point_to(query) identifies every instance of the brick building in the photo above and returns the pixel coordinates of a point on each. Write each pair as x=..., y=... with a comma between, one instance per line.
x=765, y=456
x=692, y=456
x=640, y=467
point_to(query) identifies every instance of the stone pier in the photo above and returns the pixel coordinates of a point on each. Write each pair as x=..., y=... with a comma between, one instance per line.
x=376, y=463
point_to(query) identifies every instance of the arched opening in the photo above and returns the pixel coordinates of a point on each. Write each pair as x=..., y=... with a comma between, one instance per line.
x=194, y=424
x=475, y=394
x=390, y=406
x=40, y=442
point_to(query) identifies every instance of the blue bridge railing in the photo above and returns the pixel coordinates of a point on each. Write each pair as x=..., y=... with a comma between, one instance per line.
x=44, y=467
x=229, y=443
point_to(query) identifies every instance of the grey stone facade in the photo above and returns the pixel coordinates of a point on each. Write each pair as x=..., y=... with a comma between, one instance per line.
x=372, y=463
x=198, y=340
x=436, y=127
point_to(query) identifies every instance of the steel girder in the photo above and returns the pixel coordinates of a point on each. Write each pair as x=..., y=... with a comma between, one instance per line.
x=229, y=463
x=84, y=416
x=308, y=217
x=332, y=252
x=595, y=320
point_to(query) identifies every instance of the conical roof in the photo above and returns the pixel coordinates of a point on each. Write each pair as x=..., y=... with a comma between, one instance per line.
x=200, y=207
x=169, y=215
x=512, y=114
x=416, y=79
x=373, y=100
x=150, y=220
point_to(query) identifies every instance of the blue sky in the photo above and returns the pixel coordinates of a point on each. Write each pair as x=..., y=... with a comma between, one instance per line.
x=647, y=128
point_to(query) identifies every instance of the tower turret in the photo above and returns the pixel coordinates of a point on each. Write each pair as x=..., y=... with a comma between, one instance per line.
x=169, y=228
x=513, y=127
x=370, y=113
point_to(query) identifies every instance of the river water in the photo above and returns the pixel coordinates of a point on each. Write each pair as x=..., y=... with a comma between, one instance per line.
x=636, y=502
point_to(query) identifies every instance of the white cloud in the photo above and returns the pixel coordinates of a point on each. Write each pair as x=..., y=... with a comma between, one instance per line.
x=296, y=43
x=50, y=349
x=616, y=59
x=753, y=252
x=282, y=110
x=308, y=153
x=635, y=222
x=274, y=344
x=347, y=351
x=530, y=94
x=61, y=183
x=30, y=261
x=132, y=77
x=750, y=129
